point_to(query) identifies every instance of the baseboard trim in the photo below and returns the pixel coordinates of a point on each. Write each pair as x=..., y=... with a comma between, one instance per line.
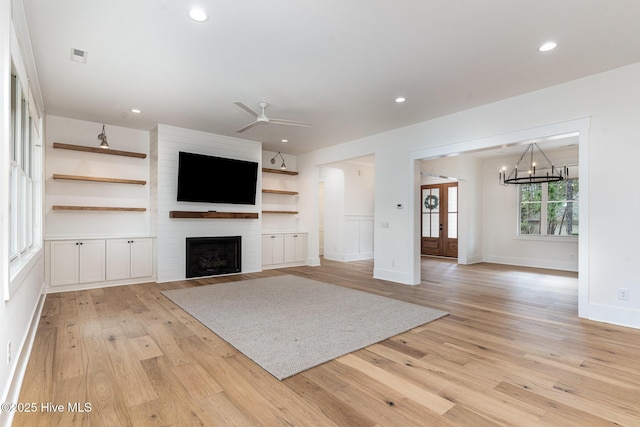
x=534, y=263
x=393, y=276
x=620, y=316
x=17, y=376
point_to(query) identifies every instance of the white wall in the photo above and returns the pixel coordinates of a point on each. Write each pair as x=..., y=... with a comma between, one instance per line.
x=19, y=307
x=171, y=233
x=79, y=224
x=605, y=108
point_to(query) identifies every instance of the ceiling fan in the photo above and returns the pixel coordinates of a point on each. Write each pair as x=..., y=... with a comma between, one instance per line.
x=262, y=119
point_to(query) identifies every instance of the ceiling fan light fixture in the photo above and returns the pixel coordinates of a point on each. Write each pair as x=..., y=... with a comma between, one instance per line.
x=261, y=118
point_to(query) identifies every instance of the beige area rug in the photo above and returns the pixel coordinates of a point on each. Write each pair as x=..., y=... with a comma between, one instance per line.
x=288, y=324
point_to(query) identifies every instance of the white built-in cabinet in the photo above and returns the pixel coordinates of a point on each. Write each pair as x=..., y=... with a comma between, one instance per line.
x=98, y=261
x=284, y=249
x=129, y=258
x=77, y=261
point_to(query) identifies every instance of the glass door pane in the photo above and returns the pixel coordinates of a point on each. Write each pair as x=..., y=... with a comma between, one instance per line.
x=452, y=214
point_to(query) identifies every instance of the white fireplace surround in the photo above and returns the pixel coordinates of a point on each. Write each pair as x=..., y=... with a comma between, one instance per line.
x=171, y=233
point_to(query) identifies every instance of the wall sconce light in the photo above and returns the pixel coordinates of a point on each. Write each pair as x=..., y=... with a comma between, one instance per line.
x=273, y=160
x=103, y=139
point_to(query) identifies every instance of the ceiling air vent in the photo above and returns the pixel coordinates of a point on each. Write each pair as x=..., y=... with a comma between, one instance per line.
x=78, y=55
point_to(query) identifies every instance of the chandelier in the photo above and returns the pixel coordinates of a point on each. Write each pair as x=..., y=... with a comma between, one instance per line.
x=532, y=173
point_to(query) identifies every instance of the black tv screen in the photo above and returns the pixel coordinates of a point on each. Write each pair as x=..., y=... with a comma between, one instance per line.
x=212, y=179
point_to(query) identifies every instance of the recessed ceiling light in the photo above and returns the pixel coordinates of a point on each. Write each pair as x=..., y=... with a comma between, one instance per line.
x=400, y=99
x=548, y=46
x=136, y=110
x=285, y=140
x=198, y=14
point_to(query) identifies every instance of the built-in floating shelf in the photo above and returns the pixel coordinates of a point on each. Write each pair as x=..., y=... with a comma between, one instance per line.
x=96, y=208
x=280, y=171
x=213, y=214
x=291, y=193
x=281, y=212
x=98, y=179
x=99, y=150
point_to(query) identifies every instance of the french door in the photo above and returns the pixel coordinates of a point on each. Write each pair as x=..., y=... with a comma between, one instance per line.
x=439, y=211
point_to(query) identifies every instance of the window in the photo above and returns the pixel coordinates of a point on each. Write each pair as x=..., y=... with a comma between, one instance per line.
x=549, y=209
x=23, y=138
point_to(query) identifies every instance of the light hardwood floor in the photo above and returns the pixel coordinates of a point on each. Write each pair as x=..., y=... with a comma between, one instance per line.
x=512, y=352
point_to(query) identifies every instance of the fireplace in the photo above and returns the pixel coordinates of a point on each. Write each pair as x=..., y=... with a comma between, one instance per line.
x=211, y=256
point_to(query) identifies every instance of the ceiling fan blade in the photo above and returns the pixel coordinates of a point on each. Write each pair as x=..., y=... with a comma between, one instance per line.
x=289, y=122
x=247, y=109
x=248, y=127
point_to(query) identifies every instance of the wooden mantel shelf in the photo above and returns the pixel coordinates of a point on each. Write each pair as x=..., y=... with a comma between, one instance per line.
x=96, y=208
x=280, y=171
x=99, y=150
x=98, y=179
x=213, y=214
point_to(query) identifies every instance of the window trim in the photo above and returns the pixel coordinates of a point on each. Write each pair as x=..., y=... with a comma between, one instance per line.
x=24, y=174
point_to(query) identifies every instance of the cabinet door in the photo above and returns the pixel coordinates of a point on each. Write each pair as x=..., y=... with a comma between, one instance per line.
x=141, y=257
x=272, y=249
x=118, y=259
x=64, y=262
x=91, y=261
x=301, y=247
x=295, y=247
x=267, y=250
x=278, y=249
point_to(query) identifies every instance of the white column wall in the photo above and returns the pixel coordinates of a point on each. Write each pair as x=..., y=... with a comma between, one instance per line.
x=172, y=232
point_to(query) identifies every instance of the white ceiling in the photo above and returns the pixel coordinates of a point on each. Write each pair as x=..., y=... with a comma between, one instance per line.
x=338, y=64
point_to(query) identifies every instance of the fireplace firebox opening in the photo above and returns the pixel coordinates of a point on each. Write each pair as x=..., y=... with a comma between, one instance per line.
x=212, y=256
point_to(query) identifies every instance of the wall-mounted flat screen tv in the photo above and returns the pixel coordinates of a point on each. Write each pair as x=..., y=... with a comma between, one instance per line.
x=212, y=179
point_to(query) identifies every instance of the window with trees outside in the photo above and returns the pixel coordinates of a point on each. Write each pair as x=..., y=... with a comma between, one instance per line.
x=549, y=209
